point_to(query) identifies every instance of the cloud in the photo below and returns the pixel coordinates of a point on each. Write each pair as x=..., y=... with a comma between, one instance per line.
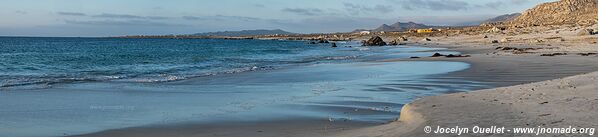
x=436, y=5
x=21, y=12
x=304, y=11
x=359, y=9
x=221, y=18
x=493, y=5
x=259, y=5
x=501, y=3
x=113, y=16
x=108, y=15
x=323, y=24
x=454, y=20
x=519, y=1
x=119, y=23
x=128, y=16
x=191, y=18
x=71, y=14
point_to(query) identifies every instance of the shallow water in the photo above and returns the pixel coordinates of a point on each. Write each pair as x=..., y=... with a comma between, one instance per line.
x=348, y=89
x=42, y=62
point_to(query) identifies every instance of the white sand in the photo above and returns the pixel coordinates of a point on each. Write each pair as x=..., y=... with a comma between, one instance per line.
x=564, y=102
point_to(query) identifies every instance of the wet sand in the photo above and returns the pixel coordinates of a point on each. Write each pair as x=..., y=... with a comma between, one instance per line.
x=494, y=69
x=304, y=127
x=543, y=99
x=559, y=102
x=350, y=94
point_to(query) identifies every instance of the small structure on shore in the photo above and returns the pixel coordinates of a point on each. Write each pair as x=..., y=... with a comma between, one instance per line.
x=425, y=30
x=365, y=32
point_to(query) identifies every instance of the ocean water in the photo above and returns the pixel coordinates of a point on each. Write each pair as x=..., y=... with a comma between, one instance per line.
x=40, y=62
x=69, y=86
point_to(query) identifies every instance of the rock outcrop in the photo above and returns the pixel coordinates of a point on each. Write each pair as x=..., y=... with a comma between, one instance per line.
x=575, y=12
x=374, y=41
x=398, y=41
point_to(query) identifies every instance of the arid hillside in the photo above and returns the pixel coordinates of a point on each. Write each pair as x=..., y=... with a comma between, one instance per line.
x=577, y=12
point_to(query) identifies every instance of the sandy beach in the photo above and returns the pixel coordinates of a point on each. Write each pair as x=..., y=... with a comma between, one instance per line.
x=536, y=90
x=348, y=68
x=545, y=91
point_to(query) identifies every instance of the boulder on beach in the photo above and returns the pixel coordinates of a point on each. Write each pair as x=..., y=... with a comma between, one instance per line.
x=398, y=41
x=401, y=39
x=374, y=41
x=394, y=42
x=449, y=55
x=496, y=30
x=585, y=32
x=437, y=55
x=426, y=39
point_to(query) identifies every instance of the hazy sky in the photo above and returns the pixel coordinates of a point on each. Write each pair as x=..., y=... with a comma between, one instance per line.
x=156, y=17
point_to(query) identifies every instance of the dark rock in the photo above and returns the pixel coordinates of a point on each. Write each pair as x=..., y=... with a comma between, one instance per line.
x=414, y=57
x=400, y=39
x=507, y=48
x=486, y=36
x=494, y=41
x=426, y=39
x=456, y=56
x=449, y=56
x=394, y=42
x=554, y=54
x=587, y=54
x=312, y=42
x=437, y=55
x=323, y=41
x=334, y=45
x=374, y=41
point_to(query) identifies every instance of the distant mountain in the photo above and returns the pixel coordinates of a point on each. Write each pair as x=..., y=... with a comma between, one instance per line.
x=245, y=33
x=401, y=27
x=503, y=18
x=560, y=12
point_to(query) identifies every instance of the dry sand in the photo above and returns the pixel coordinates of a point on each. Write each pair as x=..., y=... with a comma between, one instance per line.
x=570, y=101
x=562, y=102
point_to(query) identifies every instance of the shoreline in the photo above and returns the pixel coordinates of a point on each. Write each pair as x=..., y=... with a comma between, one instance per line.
x=558, y=103
x=310, y=95
x=484, y=68
x=260, y=128
x=553, y=98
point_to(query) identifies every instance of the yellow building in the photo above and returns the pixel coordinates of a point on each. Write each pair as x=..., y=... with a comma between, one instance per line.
x=424, y=30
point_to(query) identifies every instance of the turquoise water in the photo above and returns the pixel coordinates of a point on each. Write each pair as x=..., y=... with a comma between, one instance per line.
x=69, y=86
x=42, y=62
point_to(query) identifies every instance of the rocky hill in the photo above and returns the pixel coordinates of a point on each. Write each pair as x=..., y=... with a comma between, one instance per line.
x=244, y=33
x=503, y=18
x=399, y=26
x=580, y=12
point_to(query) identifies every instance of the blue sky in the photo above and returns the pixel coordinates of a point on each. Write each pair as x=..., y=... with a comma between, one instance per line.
x=158, y=17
